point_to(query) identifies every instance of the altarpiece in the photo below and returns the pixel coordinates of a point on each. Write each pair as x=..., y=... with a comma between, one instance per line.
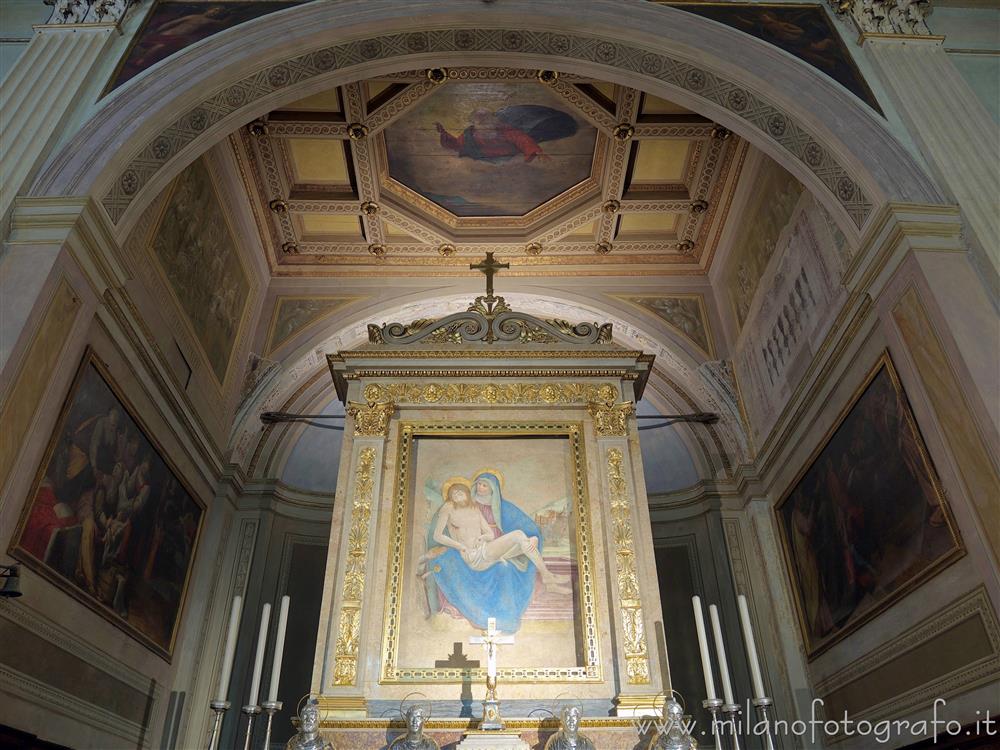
x=490, y=469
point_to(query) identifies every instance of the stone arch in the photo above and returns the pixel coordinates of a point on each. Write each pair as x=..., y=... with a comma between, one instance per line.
x=166, y=117
x=677, y=381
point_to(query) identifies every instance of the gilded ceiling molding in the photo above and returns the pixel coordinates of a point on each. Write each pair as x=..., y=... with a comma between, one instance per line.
x=756, y=109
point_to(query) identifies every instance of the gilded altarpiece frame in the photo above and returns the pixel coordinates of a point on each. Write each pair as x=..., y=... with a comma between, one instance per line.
x=588, y=667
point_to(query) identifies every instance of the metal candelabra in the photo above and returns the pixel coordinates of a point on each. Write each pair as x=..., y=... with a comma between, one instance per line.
x=220, y=708
x=732, y=711
x=251, y=712
x=762, y=705
x=713, y=706
x=270, y=708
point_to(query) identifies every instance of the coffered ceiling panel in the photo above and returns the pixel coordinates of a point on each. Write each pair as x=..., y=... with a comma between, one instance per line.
x=421, y=171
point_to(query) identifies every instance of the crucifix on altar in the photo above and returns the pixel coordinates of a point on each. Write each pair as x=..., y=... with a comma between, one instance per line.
x=490, y=639
x=489, y=267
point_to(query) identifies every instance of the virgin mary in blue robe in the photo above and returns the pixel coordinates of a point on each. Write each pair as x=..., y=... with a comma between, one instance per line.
x=502, y=590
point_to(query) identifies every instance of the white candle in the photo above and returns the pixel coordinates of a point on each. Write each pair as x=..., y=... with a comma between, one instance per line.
x=279, y=650
x=230, y=649
x=758, y=682
x=258, y=663
x=706, y=660
x=720, y=648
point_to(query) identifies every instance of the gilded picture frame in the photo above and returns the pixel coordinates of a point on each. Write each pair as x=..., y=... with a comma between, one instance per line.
x=125, y=579
x=871, y=548
x=588, y=666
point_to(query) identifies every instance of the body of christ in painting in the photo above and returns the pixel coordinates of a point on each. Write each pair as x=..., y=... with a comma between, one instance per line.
x=484, y=554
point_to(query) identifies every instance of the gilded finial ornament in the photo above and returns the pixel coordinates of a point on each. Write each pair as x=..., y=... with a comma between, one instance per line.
x=490, y=319
x=369, y=208
x=258, y=128
x=603, y=248
x=437, y=75
x=623, y=131
x=611, y=206
x=377, y=250
x=278, y=205
x=357, y=132
x=533, y=248
x=685, y=247
x=721, y=133
x=446, y=250
x=290, y=248
x=699, y=207
x=547, y=77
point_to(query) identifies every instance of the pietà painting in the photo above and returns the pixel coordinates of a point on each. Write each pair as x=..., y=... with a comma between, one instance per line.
x=493, y=528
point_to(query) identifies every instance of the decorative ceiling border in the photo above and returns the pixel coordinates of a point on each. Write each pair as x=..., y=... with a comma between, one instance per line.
x=751, y=106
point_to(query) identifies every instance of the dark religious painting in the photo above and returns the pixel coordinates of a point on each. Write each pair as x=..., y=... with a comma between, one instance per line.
x=866, y=521
x=490, y=149
x=172, y=26
x=109, y=521
x=801, y=30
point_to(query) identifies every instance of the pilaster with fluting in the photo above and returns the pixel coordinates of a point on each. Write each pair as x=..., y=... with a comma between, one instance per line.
x=39, y=93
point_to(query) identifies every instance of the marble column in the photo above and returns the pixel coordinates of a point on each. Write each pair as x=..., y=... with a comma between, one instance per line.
x=39, y=93
x=953, y=131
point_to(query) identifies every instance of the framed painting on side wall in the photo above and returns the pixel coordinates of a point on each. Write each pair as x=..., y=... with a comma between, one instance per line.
x=866, y=521
x=109, y=521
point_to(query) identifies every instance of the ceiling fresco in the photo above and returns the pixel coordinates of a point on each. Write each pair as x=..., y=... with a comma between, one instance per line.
x=490, y=149
x=426, y=169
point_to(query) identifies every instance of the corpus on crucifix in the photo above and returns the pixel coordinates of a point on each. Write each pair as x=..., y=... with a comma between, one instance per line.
x=490, y=639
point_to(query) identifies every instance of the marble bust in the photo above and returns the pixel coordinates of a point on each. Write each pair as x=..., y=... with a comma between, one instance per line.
x=568, y=737
x=308, y=736
x=414, y=738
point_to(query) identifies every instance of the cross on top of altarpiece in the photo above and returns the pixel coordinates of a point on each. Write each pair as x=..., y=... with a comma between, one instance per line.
x=489, y=267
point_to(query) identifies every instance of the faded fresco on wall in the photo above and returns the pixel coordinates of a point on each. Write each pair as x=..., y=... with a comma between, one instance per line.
x=294, y=314
x=493, y=534
x=109, y=520
x=197, y=252
x=684, y=313
x=768, y=209
x=866, y=521
x=789, y=318
x=491, y=148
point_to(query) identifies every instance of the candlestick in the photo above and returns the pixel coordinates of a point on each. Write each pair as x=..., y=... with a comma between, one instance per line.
x=712, y=705
x=755, y=676
x=279, y=650
x=720, y=651
x=762, y=704
x=251, y=712
x=230, y=650
x=220, y=708
x=258, y=664
x=732, y=710
x=706, y=660
x=271, y=708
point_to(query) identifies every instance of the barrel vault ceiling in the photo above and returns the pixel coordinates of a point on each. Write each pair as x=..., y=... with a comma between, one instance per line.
x=423, y=171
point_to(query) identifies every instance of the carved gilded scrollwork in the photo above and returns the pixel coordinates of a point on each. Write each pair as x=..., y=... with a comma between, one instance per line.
x=349, y=627
x=490, y=393
x=633, y=627
x=371, y=419
x=611, y=419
